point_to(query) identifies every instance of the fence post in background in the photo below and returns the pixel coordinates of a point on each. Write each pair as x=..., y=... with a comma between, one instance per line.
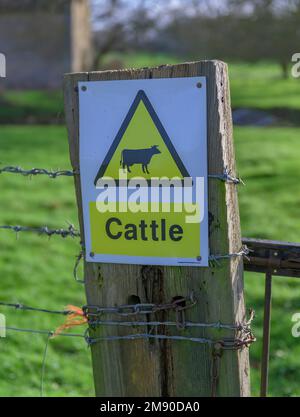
x=266, y=336
x=168, y=367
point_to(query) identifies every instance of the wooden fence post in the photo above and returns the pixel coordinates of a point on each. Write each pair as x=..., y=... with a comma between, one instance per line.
x=164, y=367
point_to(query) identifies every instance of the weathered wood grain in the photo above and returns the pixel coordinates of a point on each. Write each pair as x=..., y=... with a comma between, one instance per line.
x=164, y=368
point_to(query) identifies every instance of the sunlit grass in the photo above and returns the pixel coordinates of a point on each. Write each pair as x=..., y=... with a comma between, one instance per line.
x=268, y=161
x=37, y=271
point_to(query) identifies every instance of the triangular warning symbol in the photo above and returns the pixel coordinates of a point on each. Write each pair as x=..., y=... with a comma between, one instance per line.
x=142, y=146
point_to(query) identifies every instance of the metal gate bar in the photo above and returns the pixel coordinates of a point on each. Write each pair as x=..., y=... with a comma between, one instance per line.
x=273, y=258
x=266, y=336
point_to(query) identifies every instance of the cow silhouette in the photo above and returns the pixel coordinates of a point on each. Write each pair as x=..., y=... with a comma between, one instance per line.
x=143, y=157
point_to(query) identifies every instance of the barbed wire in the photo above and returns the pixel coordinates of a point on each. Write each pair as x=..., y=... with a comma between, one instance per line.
x=217, y=325
x=136, y=309
x=226, y=343
x=179, y=306
x=244, y=334
x=237, y=343
x=243, y=338
x=127, y=310
x=23, y=307
x=44, y=230
x=37, y=171
x=214, y=260
x=227, y=177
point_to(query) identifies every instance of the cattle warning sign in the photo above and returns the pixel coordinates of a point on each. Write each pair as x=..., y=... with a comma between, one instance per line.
x=143, y=166
x=142, y=127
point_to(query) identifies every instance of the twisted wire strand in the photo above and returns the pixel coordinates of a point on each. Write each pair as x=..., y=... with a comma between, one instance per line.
x=136, y=309
x=37, y=171
x=227, y=177
x=217, y=325
x=227, y=344
x=44, y=230
x=19, y=306
x=38, y=331
x=214, y=260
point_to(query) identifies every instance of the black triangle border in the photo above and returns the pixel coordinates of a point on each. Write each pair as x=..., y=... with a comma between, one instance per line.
x=141, y=96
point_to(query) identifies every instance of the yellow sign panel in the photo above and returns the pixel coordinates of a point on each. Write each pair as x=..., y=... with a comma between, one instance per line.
x=142, y=147
x=144, y=234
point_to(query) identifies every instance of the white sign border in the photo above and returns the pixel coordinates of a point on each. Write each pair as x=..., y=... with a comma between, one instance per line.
x=204, y=233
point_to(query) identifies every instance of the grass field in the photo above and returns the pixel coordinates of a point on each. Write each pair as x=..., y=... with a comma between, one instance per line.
x=258, y=85
x=252, y=85
x=38, y=272
x=268, y=161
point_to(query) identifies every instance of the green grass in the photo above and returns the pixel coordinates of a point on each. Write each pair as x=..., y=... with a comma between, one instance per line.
x=261, y=86
x=47, y=101
x=268, y=161
x=257, y=85
x=31, y=106
x=38, y=272
x=140, y=59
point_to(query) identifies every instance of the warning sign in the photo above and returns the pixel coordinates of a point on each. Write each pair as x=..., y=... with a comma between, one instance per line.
x=143, y=165
x=142, y=146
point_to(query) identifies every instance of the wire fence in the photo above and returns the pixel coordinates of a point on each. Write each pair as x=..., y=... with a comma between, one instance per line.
x=226, y=176
x=44, y=230
x=18, y=306
x=130, y=315
x=36, y=171
x=243, y=335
